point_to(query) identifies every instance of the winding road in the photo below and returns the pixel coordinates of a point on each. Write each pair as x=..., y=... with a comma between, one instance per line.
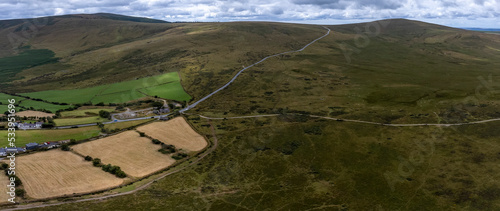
x=213, y=147
x=239, y=72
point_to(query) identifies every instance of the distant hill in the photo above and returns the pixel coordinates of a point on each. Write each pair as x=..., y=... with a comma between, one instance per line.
x=483, y=29
x=71, y=34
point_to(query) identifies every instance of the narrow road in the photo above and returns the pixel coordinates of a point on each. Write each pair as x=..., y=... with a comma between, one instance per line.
x=29, y=206
x=238, y=74
x=359, y=121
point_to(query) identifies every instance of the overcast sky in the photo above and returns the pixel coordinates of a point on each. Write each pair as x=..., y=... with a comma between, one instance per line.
x=456, y=13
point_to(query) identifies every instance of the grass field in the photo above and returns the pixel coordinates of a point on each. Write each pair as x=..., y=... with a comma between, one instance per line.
x=118, y=92
x=84, y=112
x=39, y=136
x=123, y=125
x=42, y=105
x=4, y=101
x=78, y=121
x=176, y=132
x=58, y=173
x=137, y=156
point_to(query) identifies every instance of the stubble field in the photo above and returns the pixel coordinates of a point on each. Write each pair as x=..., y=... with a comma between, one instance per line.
x=57, y=173
x=137, y=156
x=176, y=132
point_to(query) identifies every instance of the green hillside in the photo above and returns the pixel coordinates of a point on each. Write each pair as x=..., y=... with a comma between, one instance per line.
x=388, y=72
x=164, y=86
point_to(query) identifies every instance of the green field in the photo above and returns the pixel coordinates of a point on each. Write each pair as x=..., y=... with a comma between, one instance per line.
x=42, y=105
x=84, y=112
x=79, y=121
x=10, y=66
x=123, y=125
x=39, y=136
x=4, y=101
x=119, y=92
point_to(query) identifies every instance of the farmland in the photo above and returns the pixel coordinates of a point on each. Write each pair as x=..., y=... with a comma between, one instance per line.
x=39, y=136
x=79, y=121
x=119, y=92
x=42, y=105
x=4, y=181
x=34, y=114
x=123, y=125
x=84, y=112
x=136, y=156
x=176, y=132
x=56, y=173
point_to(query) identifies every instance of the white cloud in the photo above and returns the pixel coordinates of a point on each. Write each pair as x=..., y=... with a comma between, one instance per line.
x=467, y=13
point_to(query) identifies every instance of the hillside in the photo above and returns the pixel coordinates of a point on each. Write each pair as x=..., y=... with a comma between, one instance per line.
x=303, y=155
x=90, y=50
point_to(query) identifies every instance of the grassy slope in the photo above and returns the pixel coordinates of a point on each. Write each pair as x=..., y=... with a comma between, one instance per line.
x=403, y=75
x=164, y=86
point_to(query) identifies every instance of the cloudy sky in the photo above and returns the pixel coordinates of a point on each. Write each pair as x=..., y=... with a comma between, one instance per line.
x=456, y=13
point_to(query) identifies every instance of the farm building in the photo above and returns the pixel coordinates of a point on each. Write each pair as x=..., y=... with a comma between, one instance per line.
x=25, y=126
x=15, y=149
x=31, y=146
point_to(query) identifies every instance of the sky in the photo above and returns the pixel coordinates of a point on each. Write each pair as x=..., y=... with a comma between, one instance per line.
x=455, y=13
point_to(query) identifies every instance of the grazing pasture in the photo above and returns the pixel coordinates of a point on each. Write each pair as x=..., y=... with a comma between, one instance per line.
x=39, y=136
x=119, y=92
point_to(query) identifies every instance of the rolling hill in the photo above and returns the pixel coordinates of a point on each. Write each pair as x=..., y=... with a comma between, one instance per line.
x=389, y=72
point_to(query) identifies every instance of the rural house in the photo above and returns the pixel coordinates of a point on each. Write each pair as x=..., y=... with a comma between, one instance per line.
x=25, y=126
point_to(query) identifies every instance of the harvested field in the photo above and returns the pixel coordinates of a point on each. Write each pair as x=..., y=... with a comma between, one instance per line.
x=56, y=173
x=4, y=181
x=136, y=156
x=176, y=132
x=34, y=113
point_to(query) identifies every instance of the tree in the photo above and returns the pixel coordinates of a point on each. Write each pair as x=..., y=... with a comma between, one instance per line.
x=142, y=134
x=65, y=147
x=100, y=125
x=121, y=174
x=157, y=104
x=20, y=192
x=156, y=141
x=96, y=162
x=88, y=158
x=104, y=114
x=72, y=142
x=100, y=104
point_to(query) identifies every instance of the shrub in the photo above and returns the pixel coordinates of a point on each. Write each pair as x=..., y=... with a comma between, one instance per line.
x=167, y=149
x=5, y=165
x=104, y=114
x=20, y=192
x=142, y=134
x=121, y=174
x=179, y=156
x=65, y=147
x=88, y=158
x=156, y=141
x=96, y=162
